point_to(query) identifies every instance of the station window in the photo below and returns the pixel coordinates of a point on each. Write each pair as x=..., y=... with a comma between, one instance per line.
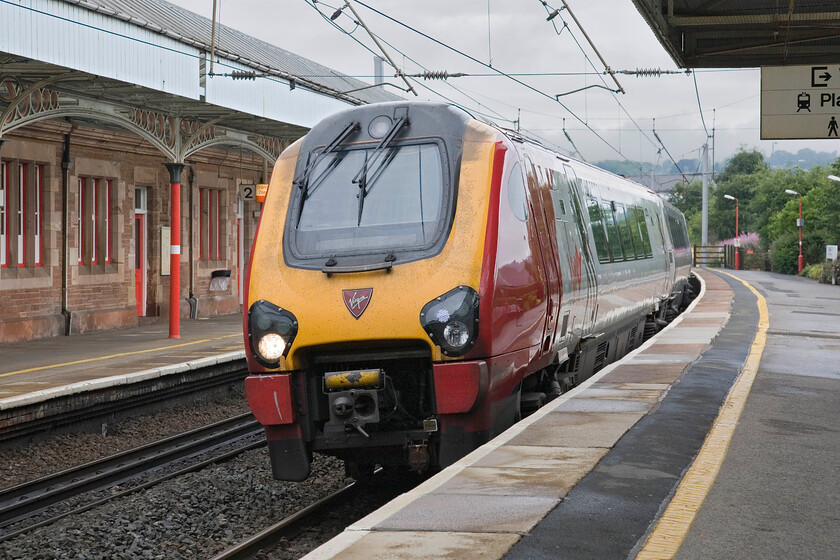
x=210, y=226
x=21, y=211
x=95, y=220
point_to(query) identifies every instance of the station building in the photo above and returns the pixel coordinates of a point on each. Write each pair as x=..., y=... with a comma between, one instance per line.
x=128, y=147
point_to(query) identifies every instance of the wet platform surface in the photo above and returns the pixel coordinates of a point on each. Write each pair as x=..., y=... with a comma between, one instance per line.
x=41, y=368
x=590, y=475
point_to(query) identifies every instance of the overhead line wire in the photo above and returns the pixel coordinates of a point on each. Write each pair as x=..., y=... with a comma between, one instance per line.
x=591, y=64
x=667, y=152
x=350, y=34
x=520, y=82
x=699, y=106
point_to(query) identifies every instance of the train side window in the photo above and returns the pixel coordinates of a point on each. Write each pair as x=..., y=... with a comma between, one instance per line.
x=561, y=186
x=646, y=235
x=636, y=221
x=516, y=193
x=626, y=235
x=613, y=235
x=599, y=235
x=681, y=241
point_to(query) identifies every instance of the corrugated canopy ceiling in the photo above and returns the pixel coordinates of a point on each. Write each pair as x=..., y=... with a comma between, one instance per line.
x=745, y=33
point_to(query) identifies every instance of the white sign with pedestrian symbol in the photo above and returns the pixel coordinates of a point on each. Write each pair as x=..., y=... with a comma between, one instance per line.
x=800, y=102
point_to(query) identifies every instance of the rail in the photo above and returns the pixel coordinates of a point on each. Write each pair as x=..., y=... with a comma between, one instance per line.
x=287, y=527
x=29, y=498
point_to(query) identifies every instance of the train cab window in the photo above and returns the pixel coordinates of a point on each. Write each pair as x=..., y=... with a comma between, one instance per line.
x=516, y=193
x=613, y=234
x=402, y=205
x=599, y=235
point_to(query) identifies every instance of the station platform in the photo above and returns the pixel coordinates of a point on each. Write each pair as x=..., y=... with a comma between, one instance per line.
x=39, y=370
x=715, y=439
x=669, y=453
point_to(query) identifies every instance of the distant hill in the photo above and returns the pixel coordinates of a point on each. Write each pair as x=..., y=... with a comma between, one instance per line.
x=805, y=159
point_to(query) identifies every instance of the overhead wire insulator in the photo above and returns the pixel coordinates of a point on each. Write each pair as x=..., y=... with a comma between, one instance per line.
x=243, y=75
x=437, y=75
x=649, y=72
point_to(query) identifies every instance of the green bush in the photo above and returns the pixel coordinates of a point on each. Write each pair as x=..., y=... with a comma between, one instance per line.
x=813, y=271
x=784, y=254
x=831, y=273
x=784, y=251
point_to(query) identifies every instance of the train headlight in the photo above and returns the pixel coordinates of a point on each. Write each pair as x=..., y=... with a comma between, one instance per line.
x=451, y=320
x=271, y=331
x=271, y=346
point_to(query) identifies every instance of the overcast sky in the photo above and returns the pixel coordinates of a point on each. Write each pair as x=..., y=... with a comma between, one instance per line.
x=514, y=37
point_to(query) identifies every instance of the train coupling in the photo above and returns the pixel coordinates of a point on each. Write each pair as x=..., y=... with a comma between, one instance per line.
x=353, y=398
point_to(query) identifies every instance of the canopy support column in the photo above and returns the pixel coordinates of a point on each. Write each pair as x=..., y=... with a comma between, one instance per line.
x=175, y=170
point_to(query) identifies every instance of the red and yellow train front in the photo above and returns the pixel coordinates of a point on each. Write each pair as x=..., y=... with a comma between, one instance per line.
x=370, y=292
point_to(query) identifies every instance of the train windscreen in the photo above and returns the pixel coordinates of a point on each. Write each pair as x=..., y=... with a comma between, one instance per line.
x=360, y=200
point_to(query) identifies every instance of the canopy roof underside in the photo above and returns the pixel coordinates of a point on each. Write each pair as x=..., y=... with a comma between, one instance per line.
x=745, y=33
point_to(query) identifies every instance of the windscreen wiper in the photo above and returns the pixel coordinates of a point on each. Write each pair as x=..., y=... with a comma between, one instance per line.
x=373, y=163
x=301, y=179
x=318, y=180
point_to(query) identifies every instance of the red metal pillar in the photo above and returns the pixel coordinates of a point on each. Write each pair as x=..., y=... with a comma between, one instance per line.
x=801, y=261
x=737, y=237
x=175, y=170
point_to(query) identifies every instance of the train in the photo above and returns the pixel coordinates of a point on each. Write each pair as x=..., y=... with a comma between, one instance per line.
x=421, y=279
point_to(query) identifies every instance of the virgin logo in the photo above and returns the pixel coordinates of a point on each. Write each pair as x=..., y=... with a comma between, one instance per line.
x=357, y=300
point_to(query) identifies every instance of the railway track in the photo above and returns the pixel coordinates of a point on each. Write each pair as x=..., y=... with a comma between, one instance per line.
x=327, y=517
x=21, y=502
x=289, y=527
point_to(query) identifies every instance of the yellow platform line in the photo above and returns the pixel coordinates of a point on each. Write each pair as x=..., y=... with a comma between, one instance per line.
x=671, y=529
x=40, y=368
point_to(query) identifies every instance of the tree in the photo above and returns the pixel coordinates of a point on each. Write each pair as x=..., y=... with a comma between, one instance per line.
x=742, y=163
x=688, y=197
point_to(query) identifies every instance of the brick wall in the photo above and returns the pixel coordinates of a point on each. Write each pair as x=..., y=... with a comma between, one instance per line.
x=102, y=296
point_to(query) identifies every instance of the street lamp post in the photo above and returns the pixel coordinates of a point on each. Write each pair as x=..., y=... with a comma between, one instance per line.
x=799, y=224
x=737, y=234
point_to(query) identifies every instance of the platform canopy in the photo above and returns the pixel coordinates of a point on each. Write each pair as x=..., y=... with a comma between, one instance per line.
x=745, y=33
x=145, y=66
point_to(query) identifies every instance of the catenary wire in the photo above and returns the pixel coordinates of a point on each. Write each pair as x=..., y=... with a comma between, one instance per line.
x=501, y=73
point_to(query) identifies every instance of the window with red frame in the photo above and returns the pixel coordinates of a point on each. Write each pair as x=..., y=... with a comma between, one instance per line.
x=95, y=220
x=21, y=214
x=210, y=224
x=38, y=211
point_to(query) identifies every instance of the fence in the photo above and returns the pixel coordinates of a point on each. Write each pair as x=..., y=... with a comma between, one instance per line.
x=720, y=256
x=723, y=256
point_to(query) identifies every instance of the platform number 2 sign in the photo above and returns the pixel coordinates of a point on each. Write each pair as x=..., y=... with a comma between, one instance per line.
x=248, y=193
